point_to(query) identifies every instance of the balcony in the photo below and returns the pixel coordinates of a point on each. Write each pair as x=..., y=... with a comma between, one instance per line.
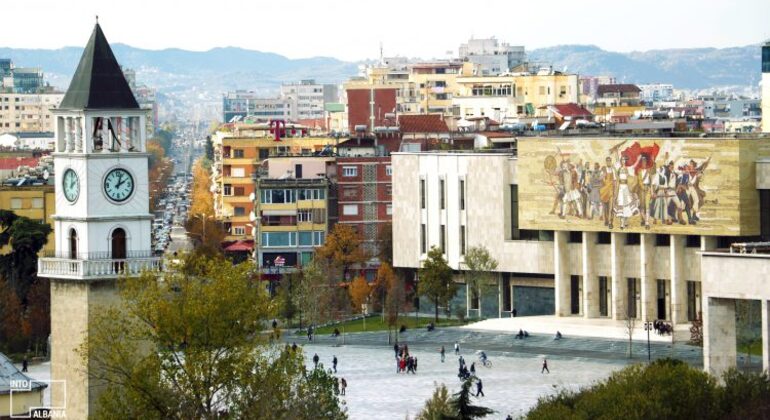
x=95, y=266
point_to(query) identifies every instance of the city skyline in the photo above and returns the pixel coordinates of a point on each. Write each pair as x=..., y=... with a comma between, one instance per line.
x=253, y=27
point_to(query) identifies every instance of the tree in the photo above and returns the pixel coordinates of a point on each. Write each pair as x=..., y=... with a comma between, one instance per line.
x=343, y=248
x=359, y=292
x=438, y=406
x=190, y=345
x=26, y=237
x=314, y=293
x=480, y=272
x=287, y=308
x=209, y=150
x=395, y=300
x=385, y=241
x=630, y=325
x=160, y=170
x=461, y=407
x=435, y=280
x=11, y=335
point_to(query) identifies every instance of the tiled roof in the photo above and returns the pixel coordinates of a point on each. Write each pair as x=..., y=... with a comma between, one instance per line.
x=571, y=110
x=426, y=123
x=619, y=88
x=11, y=163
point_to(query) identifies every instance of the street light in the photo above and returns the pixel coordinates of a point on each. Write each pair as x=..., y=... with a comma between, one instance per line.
x=648, y=325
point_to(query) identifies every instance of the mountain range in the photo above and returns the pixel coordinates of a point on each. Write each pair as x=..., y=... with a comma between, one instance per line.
x=202, y=77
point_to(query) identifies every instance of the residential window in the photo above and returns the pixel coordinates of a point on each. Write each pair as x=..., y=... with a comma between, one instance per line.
x=442, y=193
x=389, y=209
x=318, y=238
x=389, y=190
x=238, y=153
x=350, y=209
x=389, y=170
x=462, y=240
x=423, y=239
x=228, y=190
x=239, y=211
x=462, y=194
x=16, y=203
x=305, y=238
x=239, y=191
x=575, y=237
x=662, y=240
x=273, y=239
x=37, y=203
x=304, y=215
x=239, y=230
x=541, y=90
x=442, y=239
x=633, y=239
x=238, y=172
x=264, y=153
x=277, y=196
x=422, y=193
x=603, y=238
x=349, y=171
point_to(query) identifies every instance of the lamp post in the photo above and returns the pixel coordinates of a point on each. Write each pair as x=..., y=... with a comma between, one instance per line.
x=647, y=327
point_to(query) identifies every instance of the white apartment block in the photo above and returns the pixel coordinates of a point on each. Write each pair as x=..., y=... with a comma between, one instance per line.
x=26, y=112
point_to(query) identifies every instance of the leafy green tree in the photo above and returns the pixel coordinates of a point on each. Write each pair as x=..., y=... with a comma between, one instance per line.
x=209, y=149
x=461, y=406
x=480, y=272
x=438, y=406
x=191, y=344
x=285, y=299
x=435, y=280
x=26, y=237
x=315, y=294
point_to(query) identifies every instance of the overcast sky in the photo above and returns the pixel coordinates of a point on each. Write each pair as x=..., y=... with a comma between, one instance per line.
x=353, y=29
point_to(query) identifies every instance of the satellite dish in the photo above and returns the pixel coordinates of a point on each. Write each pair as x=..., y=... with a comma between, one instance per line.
x=253, y=231
x=252, y=196
x=46, y=175
x=252, y=216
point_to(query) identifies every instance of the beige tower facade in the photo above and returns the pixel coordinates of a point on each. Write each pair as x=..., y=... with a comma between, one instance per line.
x=766, y=87
x=102, y=219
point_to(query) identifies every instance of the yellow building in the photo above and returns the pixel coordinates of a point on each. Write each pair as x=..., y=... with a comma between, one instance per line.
x=239, y=157
x=513, y=96
x=36, y=202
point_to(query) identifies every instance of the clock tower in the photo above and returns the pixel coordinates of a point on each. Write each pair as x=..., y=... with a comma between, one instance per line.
x=102, y=220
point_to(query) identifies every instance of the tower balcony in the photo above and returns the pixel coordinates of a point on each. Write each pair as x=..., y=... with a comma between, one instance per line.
x=97, y=266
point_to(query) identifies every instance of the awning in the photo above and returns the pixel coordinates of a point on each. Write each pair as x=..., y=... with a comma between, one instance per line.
x=279, y=212
x=239, y=246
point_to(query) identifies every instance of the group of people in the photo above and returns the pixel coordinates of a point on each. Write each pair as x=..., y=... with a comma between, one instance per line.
x=630, y=185
x=521, y=335
x=404, y=362
x=339, y=383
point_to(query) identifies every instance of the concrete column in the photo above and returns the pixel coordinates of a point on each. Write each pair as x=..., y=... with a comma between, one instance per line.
x=590, y=280
x=141, y=129
x=719, y=348
x=106, y=141
x=678, y=302
x=79, y=138
x=647, y=276
x=120, y=132
x=499, y=295
x=69, y=146
x=130, y=133
x=765, y=335
x=619, y=285
x=561, y=273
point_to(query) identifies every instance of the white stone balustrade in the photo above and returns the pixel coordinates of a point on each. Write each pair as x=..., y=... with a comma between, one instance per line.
x=65, y=268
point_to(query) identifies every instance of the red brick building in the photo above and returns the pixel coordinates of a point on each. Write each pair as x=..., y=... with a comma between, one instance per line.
x=361, y=108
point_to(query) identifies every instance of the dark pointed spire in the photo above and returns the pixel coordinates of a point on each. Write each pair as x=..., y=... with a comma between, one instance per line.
x=98, y=82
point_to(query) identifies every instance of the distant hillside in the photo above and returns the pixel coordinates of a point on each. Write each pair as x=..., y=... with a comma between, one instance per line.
x=691, y=68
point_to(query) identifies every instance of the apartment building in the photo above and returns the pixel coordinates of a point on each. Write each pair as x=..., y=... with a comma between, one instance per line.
x=241, y=104
x=492, y=56
x=240, y=157
x=513, y=96
x=307, y=98
x=28, y=112
x=292, y=209
x=624, y=240
x=37, y=202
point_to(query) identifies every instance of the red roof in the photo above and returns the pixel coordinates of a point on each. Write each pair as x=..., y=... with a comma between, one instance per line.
x=239, y=246
x=618, y=88
x=426, y=123
x=571, y=110
x=12, y=163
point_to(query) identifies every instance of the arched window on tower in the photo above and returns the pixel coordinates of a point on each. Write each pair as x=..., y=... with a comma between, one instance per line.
x=73, y=242
x=118, y=247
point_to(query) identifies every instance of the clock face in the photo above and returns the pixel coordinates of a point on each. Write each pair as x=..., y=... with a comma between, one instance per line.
x=118, y=185
x=71, y=185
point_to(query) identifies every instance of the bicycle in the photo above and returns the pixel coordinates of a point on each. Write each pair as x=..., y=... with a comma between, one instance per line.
x=485, y=362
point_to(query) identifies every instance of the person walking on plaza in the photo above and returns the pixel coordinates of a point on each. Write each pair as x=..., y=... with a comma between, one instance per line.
x=457, y=348
x=334, y=363
x=545, y=366
x=24, y=364
x=310, y=333
x=395, y=349
x=315, y=360
x=479, y=388
x=473, y=368
x=343, y=385
x=442, y=354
